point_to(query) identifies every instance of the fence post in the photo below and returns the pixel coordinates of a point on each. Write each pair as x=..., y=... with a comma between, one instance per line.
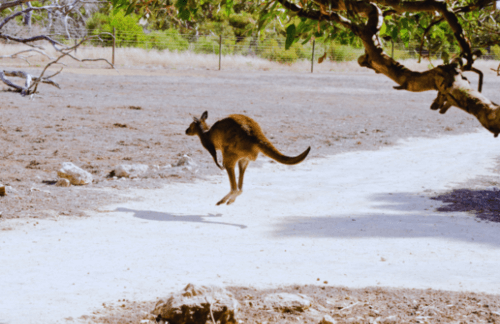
x=312, y=59
x=220, y=50
x=114, y=44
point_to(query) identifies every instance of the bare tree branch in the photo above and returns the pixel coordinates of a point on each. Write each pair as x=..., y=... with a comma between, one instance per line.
x=64, y=53
x=24, y=12
x=25, y=58
x=13, y=4
x=31, y=39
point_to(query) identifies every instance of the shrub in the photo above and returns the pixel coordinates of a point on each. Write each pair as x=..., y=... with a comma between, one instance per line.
x=128, y=31
x=496, y=51
x=274, y=50
x=338, y=52
x=206, y=45
x=161, y=40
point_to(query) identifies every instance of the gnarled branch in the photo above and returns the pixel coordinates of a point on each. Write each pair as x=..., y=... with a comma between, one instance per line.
x=28, y=81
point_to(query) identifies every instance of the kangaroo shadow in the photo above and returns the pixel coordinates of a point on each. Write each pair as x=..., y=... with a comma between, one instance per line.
x=398, y=215
x=166, y=217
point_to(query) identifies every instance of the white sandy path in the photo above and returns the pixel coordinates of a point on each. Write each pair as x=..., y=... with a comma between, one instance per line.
x=332, y=219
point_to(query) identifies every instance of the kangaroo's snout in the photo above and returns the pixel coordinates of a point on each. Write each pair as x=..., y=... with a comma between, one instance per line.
x=190, y=131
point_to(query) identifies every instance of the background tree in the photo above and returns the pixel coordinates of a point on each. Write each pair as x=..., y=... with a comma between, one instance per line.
x=467, y=25
x=53, y=18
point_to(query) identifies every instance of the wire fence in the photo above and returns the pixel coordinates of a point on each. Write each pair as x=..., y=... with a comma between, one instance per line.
x=268, y=48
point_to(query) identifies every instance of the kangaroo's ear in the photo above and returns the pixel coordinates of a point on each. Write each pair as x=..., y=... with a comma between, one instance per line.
x=196, y=120
x=204, y=115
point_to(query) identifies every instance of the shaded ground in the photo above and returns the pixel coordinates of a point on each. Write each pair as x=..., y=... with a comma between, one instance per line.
x=344, y=305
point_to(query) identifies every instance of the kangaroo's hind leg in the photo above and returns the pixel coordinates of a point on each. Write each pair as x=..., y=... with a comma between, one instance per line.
x=242, y=164
x=231, y=196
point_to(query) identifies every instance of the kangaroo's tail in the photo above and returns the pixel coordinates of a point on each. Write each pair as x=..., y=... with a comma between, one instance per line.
x=268, y=149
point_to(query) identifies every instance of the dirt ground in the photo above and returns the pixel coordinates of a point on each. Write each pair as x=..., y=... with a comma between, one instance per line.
x=101, y=119
x=343, y=305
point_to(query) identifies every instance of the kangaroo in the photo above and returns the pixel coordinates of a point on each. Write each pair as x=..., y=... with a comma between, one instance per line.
x=240, y=140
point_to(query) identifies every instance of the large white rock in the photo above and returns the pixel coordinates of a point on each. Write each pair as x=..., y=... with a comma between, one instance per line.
x=74, y=174
x=288, y=303
x=130, y=170
x=197, y=304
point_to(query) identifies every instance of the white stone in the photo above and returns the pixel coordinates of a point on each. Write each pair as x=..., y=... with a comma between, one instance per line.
x=187, y=162
x=74, y=174
x=63, y=183
x=130, y=170
x=290, y=303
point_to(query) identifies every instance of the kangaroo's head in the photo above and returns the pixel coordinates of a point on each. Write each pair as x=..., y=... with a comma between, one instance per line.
x=198, y=125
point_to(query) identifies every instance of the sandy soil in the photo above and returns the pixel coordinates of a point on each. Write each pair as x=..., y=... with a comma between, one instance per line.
x=100, y=120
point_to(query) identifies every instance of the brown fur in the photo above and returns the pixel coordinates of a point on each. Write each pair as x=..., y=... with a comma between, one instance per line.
x=240, y=140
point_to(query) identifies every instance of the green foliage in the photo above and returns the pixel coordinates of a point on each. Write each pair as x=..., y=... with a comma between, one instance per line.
x=165, y=40
x=496, y=51
x=206, y=45
x=340, y=53
x=128, y=31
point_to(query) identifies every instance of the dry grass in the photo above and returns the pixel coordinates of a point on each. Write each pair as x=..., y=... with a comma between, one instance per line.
x=140, y=58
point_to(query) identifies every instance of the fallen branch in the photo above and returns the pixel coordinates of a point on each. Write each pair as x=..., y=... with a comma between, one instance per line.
x=28, y=81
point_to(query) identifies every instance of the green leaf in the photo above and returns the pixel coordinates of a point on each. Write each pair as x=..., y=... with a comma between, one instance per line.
x=394, y=34
x=130, y=9
x=383, y=29
x=308, y=38
x=229, y=6
x=290, y=36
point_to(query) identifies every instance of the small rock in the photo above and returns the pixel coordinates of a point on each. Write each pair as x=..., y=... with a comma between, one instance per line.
x=186, y=162
x=74, y=174
x=196, y=304
x=3, y=192
x=327, y=319
x=288, y=303
x=130, y=170
x=63, y=183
